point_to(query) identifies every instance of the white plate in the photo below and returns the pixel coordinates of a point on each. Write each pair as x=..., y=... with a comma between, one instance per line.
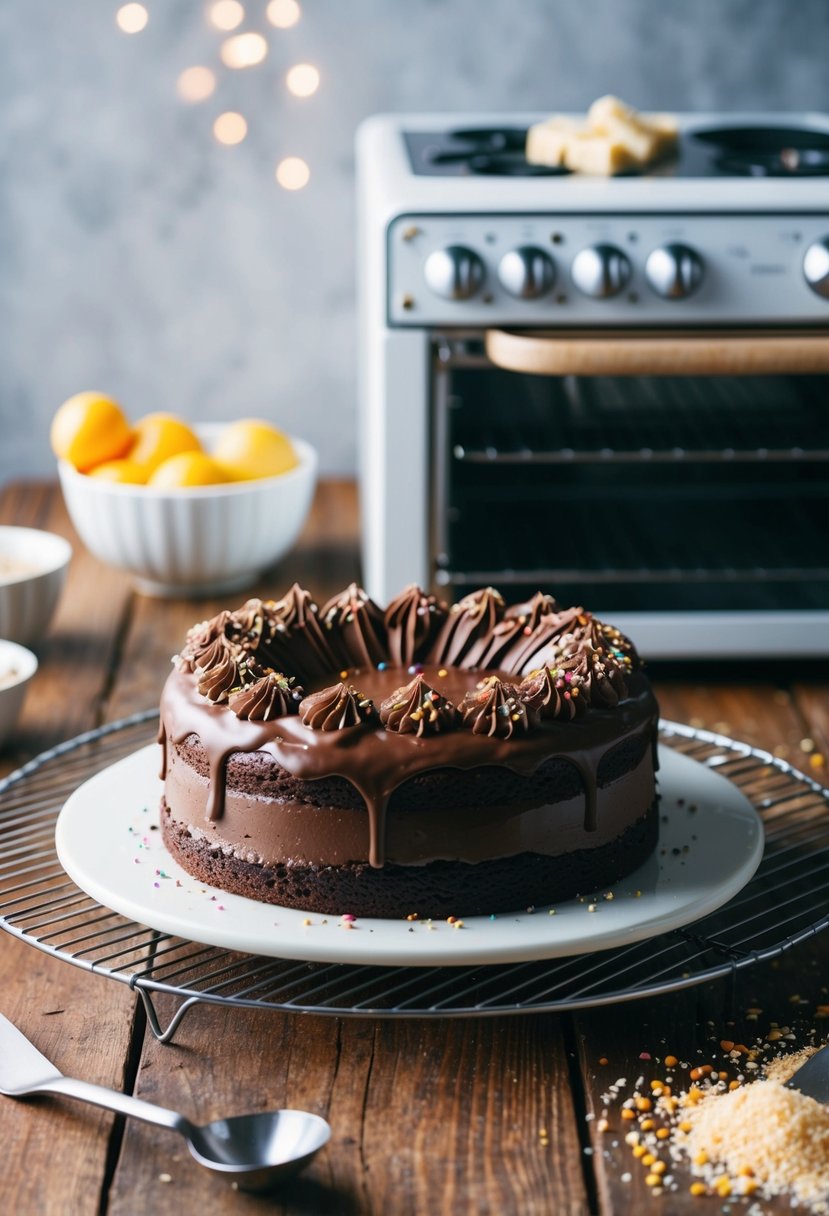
x=710, y=844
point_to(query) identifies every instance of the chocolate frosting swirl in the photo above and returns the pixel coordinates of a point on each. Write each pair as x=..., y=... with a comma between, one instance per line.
x=297, y=641
x=524, y=629
x=412, y=621
x=224, y=669
x=272, y=696
x=469, y=621
x=200, y=645
x=355, y=628
x=336, y=708
x=554, y=693
x=598, y=676
x=494, y=708
x=417, y=709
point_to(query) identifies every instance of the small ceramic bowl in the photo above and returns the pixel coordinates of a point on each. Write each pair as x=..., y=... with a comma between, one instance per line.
x=32, y=571
x=203, y=540
x=17, y=666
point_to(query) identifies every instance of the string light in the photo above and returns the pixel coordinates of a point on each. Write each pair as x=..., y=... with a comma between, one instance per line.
x=283, y=13
x=243, y=50
x=226, y=14
x=302, y=80
x=240, y=50
x=196, y=84
x=292, y=173
x=132, y=18
x=230, y=128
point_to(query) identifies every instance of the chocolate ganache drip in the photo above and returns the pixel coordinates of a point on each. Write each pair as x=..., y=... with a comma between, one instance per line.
x=417, y=709
x=412, y=620
x=494, y=708
x=355, y=628
x=336, y=708
x=554, y=692
x=469, y=621
x=272, y=696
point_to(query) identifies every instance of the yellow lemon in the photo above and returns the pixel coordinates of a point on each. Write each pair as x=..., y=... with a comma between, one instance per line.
x=88, y=429
x=187, y=469
x=251, y=448
x=159, y=436
x=125, y=472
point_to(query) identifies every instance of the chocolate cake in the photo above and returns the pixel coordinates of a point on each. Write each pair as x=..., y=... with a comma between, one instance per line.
x=423, y=760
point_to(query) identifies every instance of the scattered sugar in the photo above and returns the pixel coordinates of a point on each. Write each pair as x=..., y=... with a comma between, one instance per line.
x=740, y=1134
x=763, y=1131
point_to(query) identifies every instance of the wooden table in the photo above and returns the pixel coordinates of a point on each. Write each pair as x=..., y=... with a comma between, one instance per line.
x=430, y=1116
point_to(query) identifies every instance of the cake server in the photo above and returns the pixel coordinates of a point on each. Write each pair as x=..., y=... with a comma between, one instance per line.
x=812, y=1078
x=254, y=1151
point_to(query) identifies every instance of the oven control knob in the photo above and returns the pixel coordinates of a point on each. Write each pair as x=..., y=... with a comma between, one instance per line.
x=600, y=271
x=456, y=273
x=816, y=267
x=674, y=271
x=527, y=272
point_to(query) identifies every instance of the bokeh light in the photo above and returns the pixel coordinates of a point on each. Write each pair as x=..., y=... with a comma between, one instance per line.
x=226, y=14
x=243, y=50
x=196, y=84
x=230, y=128
x=292, y=173
x=283, y=13
x=303, y=79
x=132, y=18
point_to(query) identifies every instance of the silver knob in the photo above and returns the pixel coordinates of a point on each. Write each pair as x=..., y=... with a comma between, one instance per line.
x=674, y=271
x=527, y=272
x=816, y=267
x=600, y=271
x=456, y=273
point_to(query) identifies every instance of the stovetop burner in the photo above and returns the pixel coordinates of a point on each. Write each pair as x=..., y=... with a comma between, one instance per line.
x=769, y=151
x=476, y=152
x=749, y=151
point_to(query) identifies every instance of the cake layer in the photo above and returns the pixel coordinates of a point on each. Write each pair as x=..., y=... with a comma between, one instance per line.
x=440, y=889
x=535, y=816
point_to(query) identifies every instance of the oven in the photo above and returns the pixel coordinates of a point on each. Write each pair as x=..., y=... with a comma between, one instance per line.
x=612, y=390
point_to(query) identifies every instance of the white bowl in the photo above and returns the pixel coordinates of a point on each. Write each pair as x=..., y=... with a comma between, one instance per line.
x=205, y=540
x=28, y=596
x=17, y=666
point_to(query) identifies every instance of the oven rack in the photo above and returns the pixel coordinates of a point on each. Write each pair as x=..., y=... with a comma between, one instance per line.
x=786, y=902
x=617, y=538
x=665, y=420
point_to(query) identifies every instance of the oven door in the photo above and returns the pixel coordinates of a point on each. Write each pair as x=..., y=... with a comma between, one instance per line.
x=679, y=485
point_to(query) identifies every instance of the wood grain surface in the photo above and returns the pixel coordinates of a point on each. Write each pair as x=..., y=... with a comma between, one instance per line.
x=432, y=1117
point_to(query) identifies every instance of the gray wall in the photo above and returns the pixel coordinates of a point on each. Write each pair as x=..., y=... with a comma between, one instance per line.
x=140, y=257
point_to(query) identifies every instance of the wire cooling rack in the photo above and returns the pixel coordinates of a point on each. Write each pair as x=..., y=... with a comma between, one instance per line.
x=786, y=901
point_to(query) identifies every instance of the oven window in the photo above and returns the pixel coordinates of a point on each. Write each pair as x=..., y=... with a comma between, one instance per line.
x=643, y=494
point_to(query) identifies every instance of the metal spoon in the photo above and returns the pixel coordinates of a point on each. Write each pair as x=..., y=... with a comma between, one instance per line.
x=253, y=1151
x=812, y=1078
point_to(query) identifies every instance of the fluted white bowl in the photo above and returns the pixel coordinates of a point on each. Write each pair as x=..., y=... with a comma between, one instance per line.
x=203, y=540
x=28, y=598
x=17, y=666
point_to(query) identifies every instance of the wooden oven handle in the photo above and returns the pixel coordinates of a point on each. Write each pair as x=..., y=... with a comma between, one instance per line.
x=659, y=353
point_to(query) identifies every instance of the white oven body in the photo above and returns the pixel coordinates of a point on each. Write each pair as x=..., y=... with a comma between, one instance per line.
x=412, y=344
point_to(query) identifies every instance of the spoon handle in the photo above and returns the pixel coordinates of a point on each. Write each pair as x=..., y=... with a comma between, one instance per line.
x=111, y=1099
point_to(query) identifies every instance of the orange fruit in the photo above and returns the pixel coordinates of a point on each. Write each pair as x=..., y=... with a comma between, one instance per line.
x=251, y=448
x=187, y=469
x=124, y=472
x=159, y=436
x=88, y=429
